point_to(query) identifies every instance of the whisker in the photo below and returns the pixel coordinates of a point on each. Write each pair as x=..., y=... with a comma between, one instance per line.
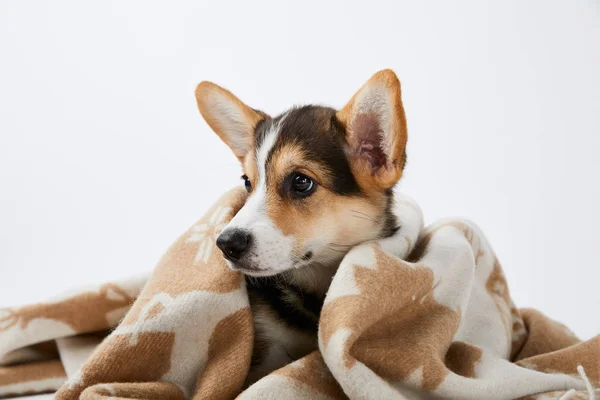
x=367, y=216
x=340, y=245
x=359, y=217
x=339, y=251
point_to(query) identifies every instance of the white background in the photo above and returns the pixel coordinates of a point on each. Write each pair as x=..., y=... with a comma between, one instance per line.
x=104, y=159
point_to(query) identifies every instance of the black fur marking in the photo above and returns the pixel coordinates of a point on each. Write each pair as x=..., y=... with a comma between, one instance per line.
x=260, y=130
x=390, y=221
x=310, y=302
x=321, y=136
x=302, y=315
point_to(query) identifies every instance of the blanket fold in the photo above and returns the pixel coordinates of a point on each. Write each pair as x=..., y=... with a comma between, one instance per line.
x=423, y=314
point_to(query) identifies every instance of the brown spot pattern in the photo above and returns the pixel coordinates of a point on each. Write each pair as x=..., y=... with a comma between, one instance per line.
x=143, y=390
x=497, y=287
x=119, y=360
x=392, y=334
x=229, y=350
x=32, y=372
x=462, y=358
x=156, y=310
x=519, y=332
x=586, y=354
x=311, y=371
x=544, y=335
x=84, y=312
x=557, y=351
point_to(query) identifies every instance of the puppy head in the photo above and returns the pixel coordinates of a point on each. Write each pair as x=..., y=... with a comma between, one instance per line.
x=319, y=180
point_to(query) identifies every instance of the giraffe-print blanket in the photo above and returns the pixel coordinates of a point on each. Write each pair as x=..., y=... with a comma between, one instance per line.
x=423, y=314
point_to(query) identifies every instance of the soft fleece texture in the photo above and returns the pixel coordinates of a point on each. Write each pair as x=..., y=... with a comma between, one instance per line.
x=426, y=313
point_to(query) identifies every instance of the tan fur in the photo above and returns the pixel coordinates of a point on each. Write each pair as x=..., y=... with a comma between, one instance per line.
x=250, y=168
x=343, y=220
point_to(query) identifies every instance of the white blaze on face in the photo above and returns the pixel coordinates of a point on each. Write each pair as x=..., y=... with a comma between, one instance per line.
x=271, y=251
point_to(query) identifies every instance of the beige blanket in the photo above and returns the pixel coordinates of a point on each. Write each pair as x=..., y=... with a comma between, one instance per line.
x=424, y=314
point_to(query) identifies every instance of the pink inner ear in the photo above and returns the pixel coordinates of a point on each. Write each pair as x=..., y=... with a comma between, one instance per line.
x=367, y=136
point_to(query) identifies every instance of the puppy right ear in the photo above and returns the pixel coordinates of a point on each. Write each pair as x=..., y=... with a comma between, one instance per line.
x=228, y=116
x=376, y=131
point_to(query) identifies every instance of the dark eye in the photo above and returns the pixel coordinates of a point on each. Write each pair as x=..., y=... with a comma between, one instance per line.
x=247, y=182
x=302, y=184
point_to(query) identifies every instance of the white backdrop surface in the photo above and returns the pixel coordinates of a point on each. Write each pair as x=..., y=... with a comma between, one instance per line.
x=104, y=159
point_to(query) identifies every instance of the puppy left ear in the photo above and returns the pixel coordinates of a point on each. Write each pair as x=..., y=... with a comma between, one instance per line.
x=376, y=132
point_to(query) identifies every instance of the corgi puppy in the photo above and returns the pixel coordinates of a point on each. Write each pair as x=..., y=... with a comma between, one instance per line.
x=320, y=181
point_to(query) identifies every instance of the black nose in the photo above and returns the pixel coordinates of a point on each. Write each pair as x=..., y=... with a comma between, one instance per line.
x=234, y=243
